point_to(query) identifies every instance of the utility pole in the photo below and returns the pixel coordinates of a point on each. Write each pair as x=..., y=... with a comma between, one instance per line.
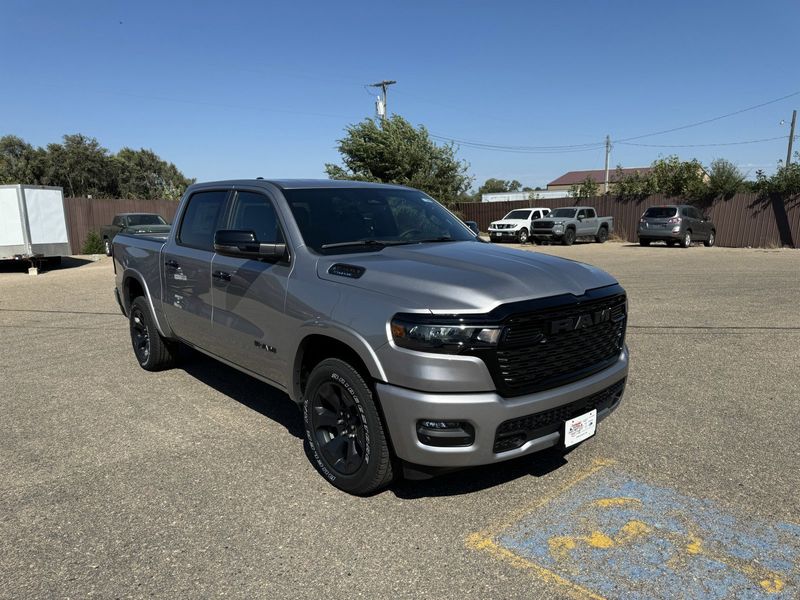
x=791, y=139
x=608, y=154
x=383, y=85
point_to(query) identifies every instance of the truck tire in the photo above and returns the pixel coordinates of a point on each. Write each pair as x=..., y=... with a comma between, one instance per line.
x=602, y=235
x=522, y=236
x=568, y=238
x=345, y=435
x=153, y=352
x=107, y=246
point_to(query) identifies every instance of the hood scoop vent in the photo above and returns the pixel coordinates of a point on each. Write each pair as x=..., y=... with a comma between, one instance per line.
x=343, y=270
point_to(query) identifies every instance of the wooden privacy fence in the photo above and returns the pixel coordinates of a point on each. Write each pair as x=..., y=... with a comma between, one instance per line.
x=90, y=214
x=743, y=221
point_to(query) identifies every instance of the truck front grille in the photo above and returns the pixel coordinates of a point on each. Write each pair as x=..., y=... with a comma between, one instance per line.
x=514, y=433
x=543, y=349
x=543, y=225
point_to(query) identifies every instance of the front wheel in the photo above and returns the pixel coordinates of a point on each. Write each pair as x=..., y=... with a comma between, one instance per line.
x=153, y=352
x=602, y=235
x=522, y=236
x=710, y=241
x=344, y=431
x=568, y=238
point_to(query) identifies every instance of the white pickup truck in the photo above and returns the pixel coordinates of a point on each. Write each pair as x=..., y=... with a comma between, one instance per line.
x=516, y=225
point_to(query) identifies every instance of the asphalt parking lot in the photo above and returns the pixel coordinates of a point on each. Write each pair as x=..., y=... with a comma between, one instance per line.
x=193, y=482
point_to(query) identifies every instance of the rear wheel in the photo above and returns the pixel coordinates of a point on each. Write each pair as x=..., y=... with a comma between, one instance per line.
x=153, y=352
x=522, y=236
x=687, y=240
x=602, y=235
x=711, y=239
x=644, y=242
x=568, y=238
x=344, y=430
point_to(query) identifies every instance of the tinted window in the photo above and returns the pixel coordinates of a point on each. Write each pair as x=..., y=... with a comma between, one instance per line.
x=660, y=212
x=564, y=213
x=254, y=212
x=518, y=214
x=201, y=220
x=685, y=212
x=388, y=216
x=136, y=220
x=536, y=215
x=696, y=214
x=590, y=213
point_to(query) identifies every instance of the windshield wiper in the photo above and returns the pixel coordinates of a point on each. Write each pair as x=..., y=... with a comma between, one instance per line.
x=374, y=243
x=444, y=238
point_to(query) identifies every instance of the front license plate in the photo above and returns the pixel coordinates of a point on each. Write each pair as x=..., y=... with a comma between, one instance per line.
x=580, y=428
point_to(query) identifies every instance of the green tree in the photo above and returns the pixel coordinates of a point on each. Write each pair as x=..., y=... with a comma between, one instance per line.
x=588, y=188
x=92, y=244
x=81, y=166
x=498, y=186
x=633, y=186
x=394, y=151
x=143, y=174
x=679, y=179
x=724, y=179
x=783, y=184
x=19, y=161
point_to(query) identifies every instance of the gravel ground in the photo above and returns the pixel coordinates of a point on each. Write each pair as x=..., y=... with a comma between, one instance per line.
x=194, y=482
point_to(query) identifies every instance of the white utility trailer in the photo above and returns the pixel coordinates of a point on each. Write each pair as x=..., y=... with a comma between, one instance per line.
x=33, y=223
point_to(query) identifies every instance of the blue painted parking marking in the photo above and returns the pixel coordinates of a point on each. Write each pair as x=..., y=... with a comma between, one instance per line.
x=612, y=536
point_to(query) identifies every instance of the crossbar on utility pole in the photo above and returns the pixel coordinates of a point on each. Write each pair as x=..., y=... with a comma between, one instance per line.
x=791, y=139
x=383, y=85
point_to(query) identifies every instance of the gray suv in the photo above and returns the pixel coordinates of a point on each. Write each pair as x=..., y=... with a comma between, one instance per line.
x=676, y=224
x=408, y=343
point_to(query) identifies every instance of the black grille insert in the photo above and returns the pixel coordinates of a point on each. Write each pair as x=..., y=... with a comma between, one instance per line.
x=543, y=224
x=514, y=433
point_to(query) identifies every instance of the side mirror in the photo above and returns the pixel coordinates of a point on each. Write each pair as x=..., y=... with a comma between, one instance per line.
x=473, y=226
x=245, y=244
x=580, y=217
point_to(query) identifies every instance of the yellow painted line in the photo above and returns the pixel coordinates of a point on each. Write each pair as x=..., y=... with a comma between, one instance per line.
x=476, y=541
x=484, y=540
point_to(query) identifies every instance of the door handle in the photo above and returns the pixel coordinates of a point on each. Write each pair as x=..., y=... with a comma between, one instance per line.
x=221, y=275
x=172, y=264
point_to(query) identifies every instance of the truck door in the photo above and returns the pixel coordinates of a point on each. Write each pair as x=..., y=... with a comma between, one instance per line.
x=582, y=227
x=249, y=295
x=187, y=268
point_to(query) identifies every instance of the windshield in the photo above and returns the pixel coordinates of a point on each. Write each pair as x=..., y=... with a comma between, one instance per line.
x=518, y=214
x=138, y=220
x=660, y=212
x=337, y=220
x=564, y=213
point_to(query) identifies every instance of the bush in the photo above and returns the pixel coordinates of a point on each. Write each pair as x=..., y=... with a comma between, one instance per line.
x=93, y=244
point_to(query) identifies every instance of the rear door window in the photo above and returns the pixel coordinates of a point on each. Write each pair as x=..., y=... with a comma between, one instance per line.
x=201, y=219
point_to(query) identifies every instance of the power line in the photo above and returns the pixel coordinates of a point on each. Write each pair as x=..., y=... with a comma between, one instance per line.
x=772, y=139
x=711, y=120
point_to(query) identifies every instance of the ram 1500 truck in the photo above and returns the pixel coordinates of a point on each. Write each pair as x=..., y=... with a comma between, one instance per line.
x=410, y=345
x=565, y=225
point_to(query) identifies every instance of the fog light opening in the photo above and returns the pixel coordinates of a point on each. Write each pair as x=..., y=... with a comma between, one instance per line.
x=445, y=433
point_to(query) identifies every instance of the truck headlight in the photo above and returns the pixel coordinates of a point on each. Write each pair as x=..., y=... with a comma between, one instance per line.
x=446, y=338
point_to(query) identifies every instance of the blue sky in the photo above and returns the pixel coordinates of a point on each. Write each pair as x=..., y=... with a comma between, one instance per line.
x=245, y=89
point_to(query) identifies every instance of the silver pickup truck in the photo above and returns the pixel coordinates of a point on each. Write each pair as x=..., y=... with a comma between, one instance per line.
x=410, y=345
x=565, y=225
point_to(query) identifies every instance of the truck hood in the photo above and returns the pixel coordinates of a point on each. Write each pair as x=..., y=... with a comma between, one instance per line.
x=465, y=276
x=510, y=222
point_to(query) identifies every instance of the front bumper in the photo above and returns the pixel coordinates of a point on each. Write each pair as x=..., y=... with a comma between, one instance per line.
x=504, y=234
x=404, y=408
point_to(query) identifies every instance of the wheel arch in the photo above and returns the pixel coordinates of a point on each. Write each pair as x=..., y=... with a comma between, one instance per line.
x=133, y=285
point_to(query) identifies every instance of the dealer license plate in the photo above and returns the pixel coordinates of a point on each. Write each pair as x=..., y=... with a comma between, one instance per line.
x=580, y=428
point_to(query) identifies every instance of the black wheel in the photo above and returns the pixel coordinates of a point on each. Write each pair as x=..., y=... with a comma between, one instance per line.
x=687, y=240
x=107, y=246
x=602, y=235
x=568, y=238
x=644, y=242
x=522, y=236
x=344, y=430
x=153, y=352
x=711, y=239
